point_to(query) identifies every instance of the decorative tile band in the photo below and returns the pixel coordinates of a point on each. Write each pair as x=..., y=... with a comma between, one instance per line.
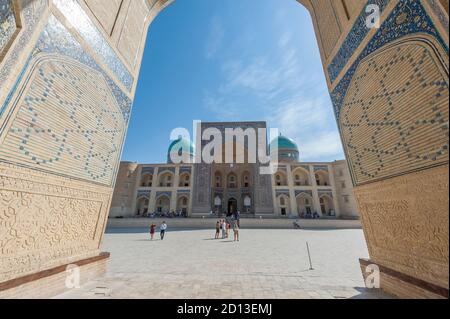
x=352, y=41
x=56, y=39
x=328, y=193
x=282, y=191
x=32, y=13
x=159, y=194
x=145, y=194
x=300, y=192
x=147, y=170
x=321, y=168
x=441, y=15
x=166, y=169
x=408, y=17
x=8, y=24
x=185, y=169
x=83, y=25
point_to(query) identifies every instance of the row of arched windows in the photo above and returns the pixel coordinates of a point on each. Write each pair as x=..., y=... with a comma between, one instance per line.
x=301, y=178
x=166, y=179
x=232, y=180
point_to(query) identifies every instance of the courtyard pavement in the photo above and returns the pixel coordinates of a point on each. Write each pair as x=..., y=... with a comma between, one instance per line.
x=264, y=264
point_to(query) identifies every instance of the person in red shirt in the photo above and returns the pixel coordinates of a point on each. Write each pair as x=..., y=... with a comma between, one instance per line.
x=152, y=230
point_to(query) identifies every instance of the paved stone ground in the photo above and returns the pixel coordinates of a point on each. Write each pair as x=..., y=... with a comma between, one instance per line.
x=264, y=264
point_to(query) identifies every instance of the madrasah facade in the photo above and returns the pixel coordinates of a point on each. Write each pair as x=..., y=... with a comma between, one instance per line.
x=294, y=189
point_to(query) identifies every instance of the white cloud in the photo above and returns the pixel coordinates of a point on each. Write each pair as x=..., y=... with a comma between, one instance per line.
x=215, y=38
x=290, y=99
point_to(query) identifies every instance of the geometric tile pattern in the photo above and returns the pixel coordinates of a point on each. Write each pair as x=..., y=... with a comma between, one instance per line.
x=57, y=39
x=83, y=25
x=68, y=123
x=185, y=169
x=161, y=194
x=321, y=168
x=147, y=170
x=282, y=192
x=390, y=130
x=407, y=18
x=162, y=170
x=7, y=23
x=144, y=194
x=303, y=192
x=326, y=193
x=441, y=14
x=352, y=41
x=31, y=13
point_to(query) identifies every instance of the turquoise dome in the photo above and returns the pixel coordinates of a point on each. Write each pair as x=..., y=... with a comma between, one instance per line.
x=286, y=148
x=181, y=145
x=283, y=143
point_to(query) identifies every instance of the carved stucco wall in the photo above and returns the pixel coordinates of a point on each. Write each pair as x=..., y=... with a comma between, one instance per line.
x=406, y=223
x=66, y=93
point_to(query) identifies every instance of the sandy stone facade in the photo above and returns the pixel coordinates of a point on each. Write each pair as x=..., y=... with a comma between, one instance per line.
x=296, y=189
x=59, y=152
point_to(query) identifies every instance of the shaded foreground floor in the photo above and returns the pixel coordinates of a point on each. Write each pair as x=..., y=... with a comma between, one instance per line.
x=264, y=264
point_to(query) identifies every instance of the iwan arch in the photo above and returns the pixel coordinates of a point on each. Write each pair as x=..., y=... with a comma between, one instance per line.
x=68, y=73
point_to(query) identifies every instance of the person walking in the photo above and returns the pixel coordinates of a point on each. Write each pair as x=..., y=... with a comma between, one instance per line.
x=236, y=231
x=152, y=231
x=228, y=229
x=224, y=229
x=238, y=218
x=217, y=230
x=163, y=229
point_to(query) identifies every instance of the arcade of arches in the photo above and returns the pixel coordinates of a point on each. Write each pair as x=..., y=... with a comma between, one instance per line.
x=389, y=88
x=298, y=189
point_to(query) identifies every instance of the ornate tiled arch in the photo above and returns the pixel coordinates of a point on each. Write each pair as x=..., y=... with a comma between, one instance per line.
x=49, y=132
x=383, y=134
x=407, y=18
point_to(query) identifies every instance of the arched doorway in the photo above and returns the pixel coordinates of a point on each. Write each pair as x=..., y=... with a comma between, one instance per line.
x=327, y=205
x=305, y=205
x=163, y=204
x=166, y=179
x=284, y=207
x=322, y=178
x=280, y=178
x=147, y=180
x=183, y=205
x=142, y=206
x=232, y=206
x=301, y=177
x=185, y=180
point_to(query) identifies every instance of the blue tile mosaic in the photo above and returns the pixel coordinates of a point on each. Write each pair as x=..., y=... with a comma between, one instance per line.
x=144, y=194
x=306, y=192
x=352, y=41
x=83, y=25
x=7, y=23
x=56, y=39
x=408, y=17
x=321, y=168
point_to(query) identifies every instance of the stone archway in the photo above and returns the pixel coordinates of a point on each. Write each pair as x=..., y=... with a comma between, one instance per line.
x=396, y=179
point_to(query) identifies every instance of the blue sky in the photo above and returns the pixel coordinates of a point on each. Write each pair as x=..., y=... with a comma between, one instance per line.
x=228, y=60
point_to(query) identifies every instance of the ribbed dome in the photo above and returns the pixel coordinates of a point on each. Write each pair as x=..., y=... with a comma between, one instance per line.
x=283, y=143
x=181, y=147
